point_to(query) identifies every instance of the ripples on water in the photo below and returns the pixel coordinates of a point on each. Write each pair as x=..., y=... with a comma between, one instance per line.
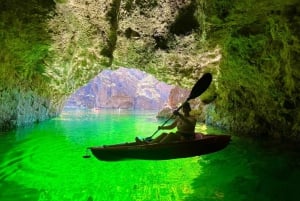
x=44, y=162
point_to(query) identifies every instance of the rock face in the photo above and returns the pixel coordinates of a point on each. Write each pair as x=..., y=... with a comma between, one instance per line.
x=71, y=41
x=21, y=108
x=256, y=84
x=123, y=88
x=177, y=96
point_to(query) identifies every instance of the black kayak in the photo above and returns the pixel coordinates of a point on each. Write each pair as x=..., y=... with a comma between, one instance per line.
x=201, y=144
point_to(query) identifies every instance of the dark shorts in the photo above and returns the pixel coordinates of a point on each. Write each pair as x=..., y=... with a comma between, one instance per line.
x=187, y=136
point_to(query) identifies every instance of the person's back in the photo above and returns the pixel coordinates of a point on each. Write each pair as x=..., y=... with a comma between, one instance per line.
x=186, y=123
x=187, y=126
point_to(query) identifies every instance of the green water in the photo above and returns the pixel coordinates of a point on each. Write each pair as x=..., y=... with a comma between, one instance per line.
x=44, y=162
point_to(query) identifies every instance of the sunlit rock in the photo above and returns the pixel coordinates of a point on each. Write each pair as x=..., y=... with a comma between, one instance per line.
x=123, y=88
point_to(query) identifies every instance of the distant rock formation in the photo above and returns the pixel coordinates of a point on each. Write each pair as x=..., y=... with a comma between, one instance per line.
x=123, y=88
x=177, y=96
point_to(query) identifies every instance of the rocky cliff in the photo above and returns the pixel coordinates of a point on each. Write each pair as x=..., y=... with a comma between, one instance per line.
x=51, y=48
x=122, y=88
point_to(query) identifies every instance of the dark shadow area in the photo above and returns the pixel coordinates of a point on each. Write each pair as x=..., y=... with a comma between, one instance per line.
x=248, y=170
x=23, y=193
x=185, y=21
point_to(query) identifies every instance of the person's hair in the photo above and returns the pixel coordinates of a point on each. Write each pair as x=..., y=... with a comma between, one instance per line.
x=186, y=105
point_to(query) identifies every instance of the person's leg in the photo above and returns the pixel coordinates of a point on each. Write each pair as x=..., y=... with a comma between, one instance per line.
x=159, y=138
x=171, y=137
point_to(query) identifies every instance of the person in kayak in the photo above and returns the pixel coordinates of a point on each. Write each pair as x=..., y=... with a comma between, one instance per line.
x=185, y=124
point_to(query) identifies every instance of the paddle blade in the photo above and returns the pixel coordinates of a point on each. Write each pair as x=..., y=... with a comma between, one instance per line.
x=201, y=85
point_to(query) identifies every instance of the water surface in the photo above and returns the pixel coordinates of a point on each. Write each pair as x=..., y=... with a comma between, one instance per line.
x=44, y=162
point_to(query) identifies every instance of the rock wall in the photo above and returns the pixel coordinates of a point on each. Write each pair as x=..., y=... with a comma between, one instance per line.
x=72, y=41
x=123, y=88
x=20, y=108
x=258, y=83
x=251, y=47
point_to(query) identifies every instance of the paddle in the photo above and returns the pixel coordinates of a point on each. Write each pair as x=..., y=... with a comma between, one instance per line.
x=201, y=85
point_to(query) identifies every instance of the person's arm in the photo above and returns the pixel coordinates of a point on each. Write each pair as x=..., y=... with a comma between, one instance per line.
x=169, y=127
x=182, y=117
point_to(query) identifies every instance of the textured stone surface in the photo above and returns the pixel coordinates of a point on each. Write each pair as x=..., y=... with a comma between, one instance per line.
x=123, y=88
x=22, y=108
x=130, y=89
x=174, y=40
x=178, y=96
x=144, y=35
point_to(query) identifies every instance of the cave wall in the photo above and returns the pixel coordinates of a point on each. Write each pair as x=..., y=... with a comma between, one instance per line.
x=258, y=81
x=51, y=48
x=24, y=42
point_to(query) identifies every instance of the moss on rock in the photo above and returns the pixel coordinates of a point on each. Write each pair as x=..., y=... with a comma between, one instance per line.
x=259, y=71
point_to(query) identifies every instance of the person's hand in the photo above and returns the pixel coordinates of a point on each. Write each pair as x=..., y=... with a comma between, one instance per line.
x=176, y=113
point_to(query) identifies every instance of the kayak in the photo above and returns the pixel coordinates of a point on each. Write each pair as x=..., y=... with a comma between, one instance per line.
x=200, y=145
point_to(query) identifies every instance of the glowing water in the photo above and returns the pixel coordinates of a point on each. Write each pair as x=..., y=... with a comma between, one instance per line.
x=44, y=163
